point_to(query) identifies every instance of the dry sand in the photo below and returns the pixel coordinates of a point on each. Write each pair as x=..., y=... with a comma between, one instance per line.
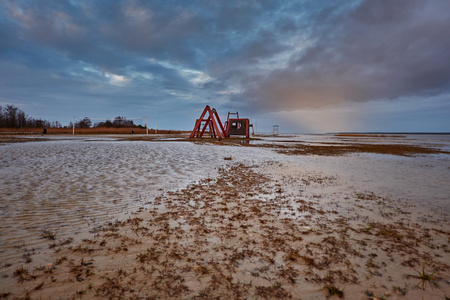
x=254, y=232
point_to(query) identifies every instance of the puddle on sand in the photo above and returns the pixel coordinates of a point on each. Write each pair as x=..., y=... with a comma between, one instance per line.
x=68, y=187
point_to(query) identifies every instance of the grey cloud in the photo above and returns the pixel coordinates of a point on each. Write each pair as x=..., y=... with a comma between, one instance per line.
x=378, y=50
x=162, y=34
x=163, y=75
x=264, y=45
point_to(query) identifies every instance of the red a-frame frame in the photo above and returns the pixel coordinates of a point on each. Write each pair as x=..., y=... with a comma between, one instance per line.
x=216, y=129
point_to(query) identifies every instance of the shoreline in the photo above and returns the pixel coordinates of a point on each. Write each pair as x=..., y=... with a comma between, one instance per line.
x=341, y=145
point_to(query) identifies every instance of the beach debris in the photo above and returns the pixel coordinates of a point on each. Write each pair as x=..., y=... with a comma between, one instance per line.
x=425, y=277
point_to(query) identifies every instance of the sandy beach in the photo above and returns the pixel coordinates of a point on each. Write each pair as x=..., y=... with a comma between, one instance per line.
x=301, y=217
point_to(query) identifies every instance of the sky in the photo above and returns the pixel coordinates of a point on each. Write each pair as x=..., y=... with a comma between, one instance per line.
x=308, y=66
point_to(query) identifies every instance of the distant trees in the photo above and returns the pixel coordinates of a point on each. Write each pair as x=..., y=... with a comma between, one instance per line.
x=122, y=122
x=13, y=117
x=84, y=123
x=107, y=124
x=119, y=122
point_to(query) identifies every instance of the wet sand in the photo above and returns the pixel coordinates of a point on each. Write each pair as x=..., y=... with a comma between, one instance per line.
x=262, y=230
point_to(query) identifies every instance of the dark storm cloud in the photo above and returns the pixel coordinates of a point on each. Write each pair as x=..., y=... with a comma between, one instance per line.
x=375, y=50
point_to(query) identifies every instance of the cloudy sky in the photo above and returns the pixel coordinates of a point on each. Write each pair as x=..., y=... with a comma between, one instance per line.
x=308, y=66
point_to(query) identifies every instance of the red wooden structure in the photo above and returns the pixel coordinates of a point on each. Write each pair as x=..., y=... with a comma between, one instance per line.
x=216, y=129
x=237, y=126
x=233, y=126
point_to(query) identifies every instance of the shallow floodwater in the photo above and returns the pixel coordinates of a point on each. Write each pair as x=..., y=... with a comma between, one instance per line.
x=67, y=187
x=70, y=186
